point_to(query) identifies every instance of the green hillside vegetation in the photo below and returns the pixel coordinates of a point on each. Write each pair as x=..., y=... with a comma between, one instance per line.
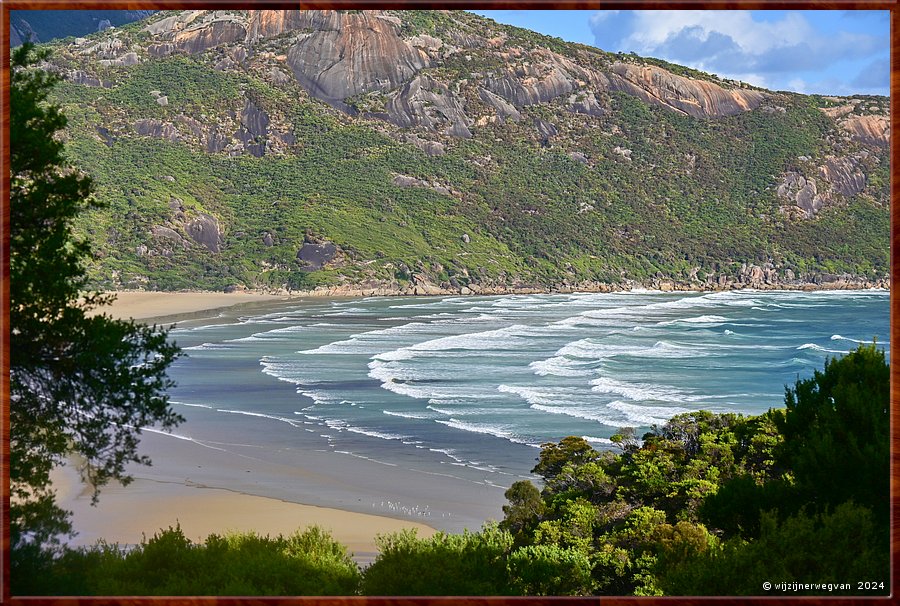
x=693, y=196
x=707, y=504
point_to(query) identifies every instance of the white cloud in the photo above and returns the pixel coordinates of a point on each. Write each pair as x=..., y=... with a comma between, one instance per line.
x=769, y=51
x=653, y=28
x=601, y=16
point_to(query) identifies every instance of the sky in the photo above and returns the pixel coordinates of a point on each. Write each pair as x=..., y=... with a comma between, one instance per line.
x=825, y=52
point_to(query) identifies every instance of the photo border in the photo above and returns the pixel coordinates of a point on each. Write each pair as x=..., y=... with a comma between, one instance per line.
x=9, y=5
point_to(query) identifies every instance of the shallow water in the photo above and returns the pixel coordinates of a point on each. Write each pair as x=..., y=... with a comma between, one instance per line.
x=469, y=387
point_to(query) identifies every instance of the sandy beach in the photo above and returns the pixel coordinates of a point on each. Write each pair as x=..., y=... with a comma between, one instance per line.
x=159, y=498
x=143, y=305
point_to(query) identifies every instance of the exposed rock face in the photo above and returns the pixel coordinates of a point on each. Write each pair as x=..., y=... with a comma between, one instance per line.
x=432, y=148
x=835, y=178
x=126, y=59
x=204, y=230
x=200, y=37
x=254, y=119
x=190, y=124
x=268, y=24
x=316, y=256
x=79, y=77
x=254, y=129
x=503, y=108
x=874, y=130
x=844, y=175
x=441, y=188
x=353, y=53
x=426, y=103
x=216, y=141
x=156, y=128
x=585, y=103
x=546, y=129
x=175, y=22
x=530, y=84
x=166, y=233
x=105, y=49
x=697, y=98
x=802, y=192
x=871, y=129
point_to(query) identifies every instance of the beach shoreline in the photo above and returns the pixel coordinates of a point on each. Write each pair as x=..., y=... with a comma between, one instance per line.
x=153, y=305
x=173, y=306
x=176, y=492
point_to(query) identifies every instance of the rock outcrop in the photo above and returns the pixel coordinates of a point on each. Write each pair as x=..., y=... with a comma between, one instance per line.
x=698, y=98
x=156, y=128
x=352, y=53
x=836, y=178
x=206, y=34
x=315, y=256
x=204, y=230
x=427, y=103
x=868, y=128
x=872, y=129
x=531, y=84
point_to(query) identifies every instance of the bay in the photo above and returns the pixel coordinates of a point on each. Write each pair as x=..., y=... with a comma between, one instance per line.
x=467, y=388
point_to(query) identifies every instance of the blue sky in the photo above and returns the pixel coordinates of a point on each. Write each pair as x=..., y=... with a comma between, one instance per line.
x=827, y=52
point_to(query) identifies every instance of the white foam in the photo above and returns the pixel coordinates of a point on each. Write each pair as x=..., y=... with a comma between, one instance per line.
x=646, y=415
x=376, y=434
x=815, y=347
x=840, y=338
x=178, y=436
x=405, y=415
x=578, y=413
x=542, y=395
x=291, y=422
x=500, y=431
x=559, y=366
x=598, y=440
x=709, y=319
x=192, y=405
x=641, y=391
x=206, y=347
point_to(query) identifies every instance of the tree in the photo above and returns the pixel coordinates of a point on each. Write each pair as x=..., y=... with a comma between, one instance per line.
x=836, y=428
x=524, y=509
x=79, y=384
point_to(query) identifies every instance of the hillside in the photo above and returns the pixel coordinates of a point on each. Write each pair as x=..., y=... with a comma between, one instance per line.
x=45, y=25
x=427, y=151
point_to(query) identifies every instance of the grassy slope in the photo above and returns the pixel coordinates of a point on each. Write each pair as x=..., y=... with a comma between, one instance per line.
x=532, y=212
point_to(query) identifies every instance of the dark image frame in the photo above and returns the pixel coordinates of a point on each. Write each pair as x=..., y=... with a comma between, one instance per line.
x=9, y=5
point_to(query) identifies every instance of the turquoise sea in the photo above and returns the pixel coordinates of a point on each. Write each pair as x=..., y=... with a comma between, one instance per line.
x=467, y=388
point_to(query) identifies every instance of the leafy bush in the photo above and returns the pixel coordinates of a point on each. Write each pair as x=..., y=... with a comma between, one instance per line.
x=445, y=564
x=304, y=563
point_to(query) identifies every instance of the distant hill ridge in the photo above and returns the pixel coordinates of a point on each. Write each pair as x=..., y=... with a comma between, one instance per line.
x=435, y=151
x=47, y=25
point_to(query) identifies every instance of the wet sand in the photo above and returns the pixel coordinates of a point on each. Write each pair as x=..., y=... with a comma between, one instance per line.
x=167, y=494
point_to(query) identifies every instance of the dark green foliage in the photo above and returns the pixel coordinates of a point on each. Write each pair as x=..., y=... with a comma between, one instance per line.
x=553, y=457
x=524, y=510
x=840, y=547
x=550, y=570
x=715, y=504
x=78, y=384
x=304, y=563
x=837, y=432
x=445, y=564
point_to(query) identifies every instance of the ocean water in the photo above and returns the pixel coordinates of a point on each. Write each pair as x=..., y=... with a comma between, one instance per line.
x=469, y=387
